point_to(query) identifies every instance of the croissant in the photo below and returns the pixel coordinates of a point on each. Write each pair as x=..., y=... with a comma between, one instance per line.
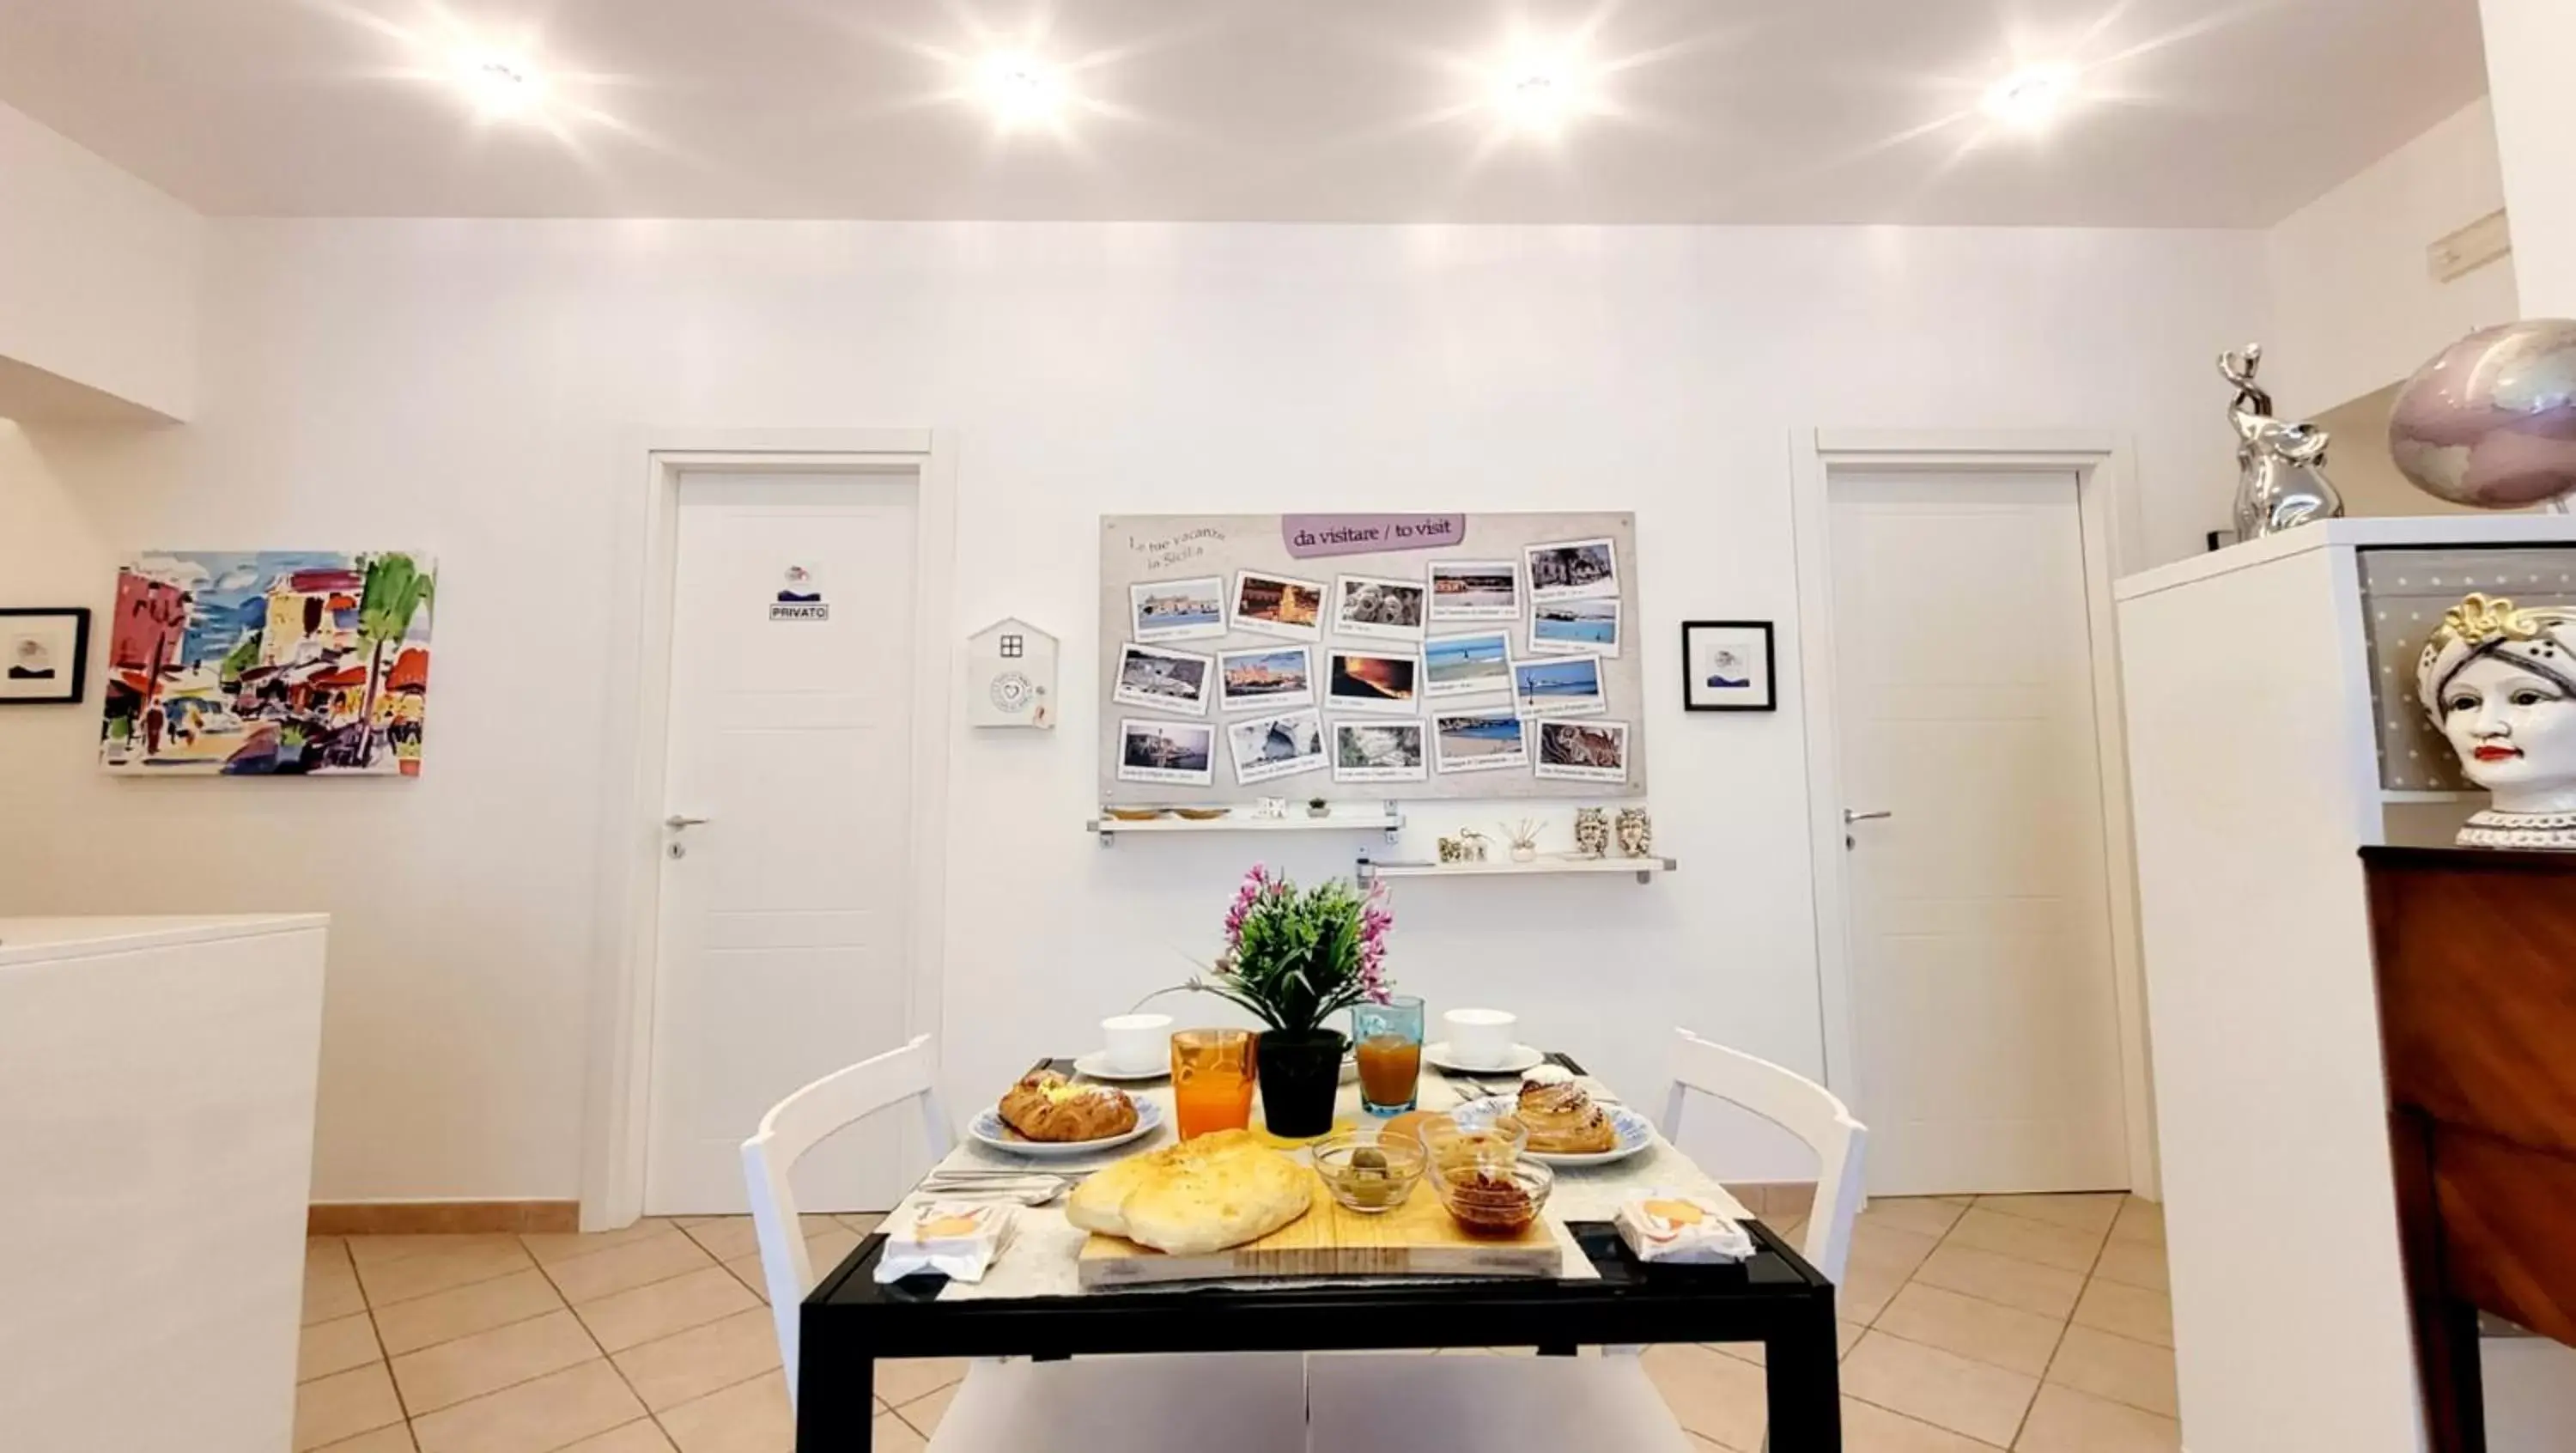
x=1047, y=1106
x=1562, y=1120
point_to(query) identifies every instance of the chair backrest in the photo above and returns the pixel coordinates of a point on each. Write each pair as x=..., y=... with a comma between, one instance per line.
x=796, y=1125
x=1796, y=1104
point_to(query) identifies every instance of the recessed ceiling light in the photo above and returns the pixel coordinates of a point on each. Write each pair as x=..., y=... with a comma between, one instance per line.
x=1021, y=88
x=2032, y=96
x=500, y=86
x=1537, y=95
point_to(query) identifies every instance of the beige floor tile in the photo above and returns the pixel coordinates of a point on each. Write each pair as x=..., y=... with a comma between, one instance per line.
x=2033, y=1288
x=1865, y=1291
x=424, y=1273
x=902, y=1379
x=747, y=1270
x=2142, y=1221
x=2134, y=1263
x=636, y=1316
x=2091, y=1212
x=633, y=1264
x=336, y=1346
x=641, y=1436
x=1974, y=1399
x=2008, y=1337
x=468, y=1367
x=330, y=1287
x=890, y=1434
x=2133, y=1312
x=1720, y=1398
x=863, y=1222
x=748, y=1417
x=1846, y=1335
x=2063, y=1420
x=1871, y=1429
x=686, y=1365
x=924, y=1413
x=2140, y=1374
x=343, y=1405
x=1924, y=1215
x=2057, y=1246
x=826, y=1249
x=463, y=1311
x=726, y=1237
x=549, y=1247
x=1890, y=1248
x=396, y=1439
x=378, y=1250
x=534, y=1417
x=325, y=1247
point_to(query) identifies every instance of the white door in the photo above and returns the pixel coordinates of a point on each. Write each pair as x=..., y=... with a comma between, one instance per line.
x=1979, y=912
x=786, y=915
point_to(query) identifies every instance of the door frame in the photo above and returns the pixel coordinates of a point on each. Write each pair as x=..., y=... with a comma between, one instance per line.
x=2107, y=506
x=627, y=941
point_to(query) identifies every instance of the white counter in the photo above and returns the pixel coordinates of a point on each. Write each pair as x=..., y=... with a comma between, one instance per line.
x=156, y=1150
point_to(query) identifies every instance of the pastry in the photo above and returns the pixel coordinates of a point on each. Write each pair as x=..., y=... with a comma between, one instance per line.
x=1198, y=1196
x=1047, y=1106
x=1562, y=1120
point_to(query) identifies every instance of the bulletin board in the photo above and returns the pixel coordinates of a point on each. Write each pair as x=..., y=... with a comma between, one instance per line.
x=1370, y=657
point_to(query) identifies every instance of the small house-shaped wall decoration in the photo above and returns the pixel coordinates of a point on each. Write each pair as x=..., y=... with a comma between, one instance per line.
x=1010, y=676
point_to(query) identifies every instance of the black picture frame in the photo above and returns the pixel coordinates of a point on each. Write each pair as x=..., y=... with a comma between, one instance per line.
x=1695, y=696
x=78, y=684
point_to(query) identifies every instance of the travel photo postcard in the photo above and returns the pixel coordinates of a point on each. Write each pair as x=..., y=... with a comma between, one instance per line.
x=1357, y=680
x=1165, y=680
x=1488, y=739
x=1181, y=753
x=1559, y=686
x=1375, y=751
x=1575, y=626
x=1379, y=608
x=1266, y=748
x=1472, y=665
x=1278, y=605
x=1475, y=590
x=1178, y=610
x=1582, y=751
x=1569, y=568
x=1265, y=678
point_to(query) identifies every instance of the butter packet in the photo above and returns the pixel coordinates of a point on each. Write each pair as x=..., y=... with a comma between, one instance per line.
x=958, y=1239
x=1681, y=1229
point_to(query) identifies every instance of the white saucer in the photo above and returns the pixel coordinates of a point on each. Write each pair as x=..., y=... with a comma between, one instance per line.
x=1096, y=1066
x=1521, y=1058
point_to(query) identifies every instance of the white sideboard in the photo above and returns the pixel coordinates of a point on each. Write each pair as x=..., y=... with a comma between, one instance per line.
x=2254, y=765
x=156, y=1154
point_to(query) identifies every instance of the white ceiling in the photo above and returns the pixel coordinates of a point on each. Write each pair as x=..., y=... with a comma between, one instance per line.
x=2205, y=112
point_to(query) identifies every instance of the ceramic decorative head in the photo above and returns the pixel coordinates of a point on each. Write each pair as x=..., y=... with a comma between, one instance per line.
x=2500, y=682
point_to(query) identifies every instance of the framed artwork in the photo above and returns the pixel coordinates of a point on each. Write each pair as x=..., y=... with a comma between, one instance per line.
x=44, y=655
x=1726, y=666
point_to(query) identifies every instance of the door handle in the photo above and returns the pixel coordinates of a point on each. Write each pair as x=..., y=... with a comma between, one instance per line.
x=1850, y=816
x=675, y=822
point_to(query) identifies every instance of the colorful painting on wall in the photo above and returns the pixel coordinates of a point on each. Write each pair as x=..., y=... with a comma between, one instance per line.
x=269, y=663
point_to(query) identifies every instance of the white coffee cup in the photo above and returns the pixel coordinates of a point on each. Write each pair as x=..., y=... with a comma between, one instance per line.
x=1481, y=1038
x=1137, y=1043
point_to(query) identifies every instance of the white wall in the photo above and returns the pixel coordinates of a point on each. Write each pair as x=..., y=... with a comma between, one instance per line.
x=98, y=277
x=2531, y=48
x=2354, y=306
x=468, y=388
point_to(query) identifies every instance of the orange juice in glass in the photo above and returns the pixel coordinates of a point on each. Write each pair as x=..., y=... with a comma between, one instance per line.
x=1212, y=1079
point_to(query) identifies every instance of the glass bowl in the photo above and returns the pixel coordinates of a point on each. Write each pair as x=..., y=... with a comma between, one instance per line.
x=1455, y=1149
x=1496, y=1200
x=1367, y=1173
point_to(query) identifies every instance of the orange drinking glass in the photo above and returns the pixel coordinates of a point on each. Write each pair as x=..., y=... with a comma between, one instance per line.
x=1212, y=1078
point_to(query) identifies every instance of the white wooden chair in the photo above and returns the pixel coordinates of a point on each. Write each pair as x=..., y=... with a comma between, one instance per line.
x=1796, y=1104
x=796, y=1125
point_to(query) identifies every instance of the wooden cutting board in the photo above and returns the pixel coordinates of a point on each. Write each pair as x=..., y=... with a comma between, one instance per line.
x=1418, y=1238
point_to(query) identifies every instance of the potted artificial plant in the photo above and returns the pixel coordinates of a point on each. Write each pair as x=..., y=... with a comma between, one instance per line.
x=1295, y=957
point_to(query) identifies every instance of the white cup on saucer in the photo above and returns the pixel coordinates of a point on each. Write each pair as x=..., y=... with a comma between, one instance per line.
x=1137, y=1043
x=1481, y=1038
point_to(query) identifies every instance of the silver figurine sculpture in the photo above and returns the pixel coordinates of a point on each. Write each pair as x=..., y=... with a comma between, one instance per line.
x=2281, y=479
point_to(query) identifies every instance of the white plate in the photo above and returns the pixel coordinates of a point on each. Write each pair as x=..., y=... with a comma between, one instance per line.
x=1096, y=1066
x=1635, y=1131
x=987, y=1127
x=1521, y=1058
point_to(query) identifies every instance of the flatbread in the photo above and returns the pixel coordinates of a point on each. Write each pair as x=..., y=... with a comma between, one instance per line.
x=1198, y=1196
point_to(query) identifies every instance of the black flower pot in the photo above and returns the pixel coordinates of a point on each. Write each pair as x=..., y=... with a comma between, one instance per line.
x=1300, y=1075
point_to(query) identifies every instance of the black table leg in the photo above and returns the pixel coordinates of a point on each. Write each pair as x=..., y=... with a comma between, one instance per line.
x=836, y=1405
x=1803, y=1381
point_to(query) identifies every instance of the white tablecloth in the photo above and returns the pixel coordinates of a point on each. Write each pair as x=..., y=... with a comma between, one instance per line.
x=1041, y=1258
